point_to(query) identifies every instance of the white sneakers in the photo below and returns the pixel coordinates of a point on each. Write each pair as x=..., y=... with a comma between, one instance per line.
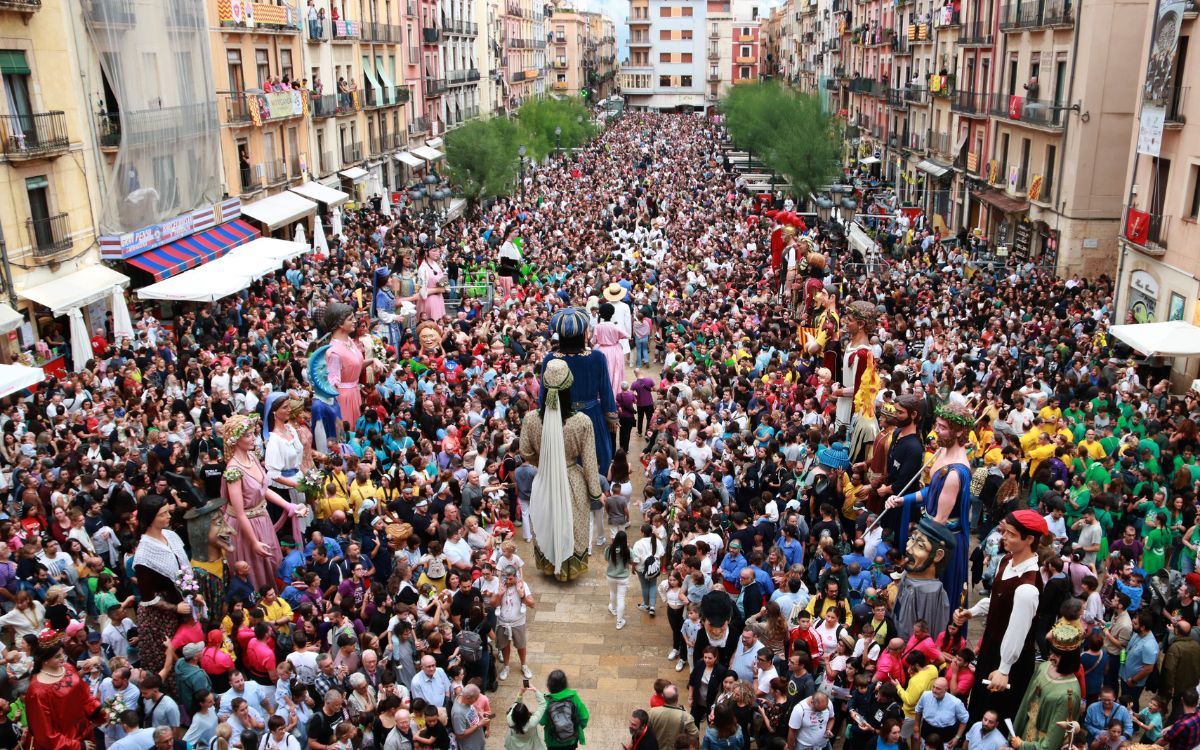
x=620, y=624
x=504, y=673
x=612, y=610
x=526, y=672
x=674, y=653
x=679, y=665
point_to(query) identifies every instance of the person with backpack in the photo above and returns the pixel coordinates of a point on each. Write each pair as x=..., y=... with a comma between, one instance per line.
x=566, y=716
x=620, y=560
x=648, y=564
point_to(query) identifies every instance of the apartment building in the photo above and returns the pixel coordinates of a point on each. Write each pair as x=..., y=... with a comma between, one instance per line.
x=525, y=49
x=1158, y=269
x=460, y=31
x=582, y=54
x=1001, y=117
x=686, y=55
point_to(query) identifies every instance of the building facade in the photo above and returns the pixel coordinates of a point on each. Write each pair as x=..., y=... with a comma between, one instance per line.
x=1158, y=270
x=582, y=54
x=1005, y=118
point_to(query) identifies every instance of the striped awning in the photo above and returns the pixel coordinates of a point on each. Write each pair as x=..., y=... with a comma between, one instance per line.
x=177, y=257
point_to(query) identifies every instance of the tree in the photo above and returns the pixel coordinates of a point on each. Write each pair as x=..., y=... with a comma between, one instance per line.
x=481, y=157
x=786, y=130
x=540, y=117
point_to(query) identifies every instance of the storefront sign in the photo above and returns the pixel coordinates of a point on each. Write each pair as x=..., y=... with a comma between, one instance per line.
x=1140, y=281
x=1022, y=239
x=156, y=235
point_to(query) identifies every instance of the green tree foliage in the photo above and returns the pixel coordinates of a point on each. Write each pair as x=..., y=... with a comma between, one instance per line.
x=540, y=117
x=786, y=130
x=481, y=157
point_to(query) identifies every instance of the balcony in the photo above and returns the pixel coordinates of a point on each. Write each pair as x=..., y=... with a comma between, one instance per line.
x=50, y=236
x=347, y=31
x=745, y=38
x=1016, y=179
x=461, y=77
x=943, y=19
x=920, y=33
x=245, y=108
x=978, y=34
x=714, y=76
x=430, y=35
x=21, y=6
x=384, y=97
x=915, y=142
x=1032, y=15
x=714, y=53
x=559, y=64
x=969, y=104
x=900, y=45
x=328, y=163
x=940, y=143
x=410, y=8
x=417, y=126
x=352, y=152
x=639, y=41
x=381, y=32
x=331, y=105
x=559, y=86
x=1060, y=14
x=878, y=38
x=471, y=112
x=1175, y=117
x=108, y=129
x=115, y=13
x=714, y=34
x=250, y=181
x=745, y=59
x=518, y=76
x=39, y=135
x=273, y=172
x=257, y=18
x=435, y=86
x=1034, y=112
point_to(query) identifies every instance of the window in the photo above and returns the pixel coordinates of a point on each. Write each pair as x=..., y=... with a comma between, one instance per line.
x=233, y=63
x=664, y=35
x=37, y=190
x=562, y=78
x=744, y=50
x=1048, y=177
x=263, y=63
x=285, y=63
x=685, y=81
x=1023, y=179
x=687, y=34
x=744, y=72
x=687, y=11
x=1194, y=204
x=687, y=57
x=745, y=31
x=664, y=81
x=665, y=11
x=664, y=57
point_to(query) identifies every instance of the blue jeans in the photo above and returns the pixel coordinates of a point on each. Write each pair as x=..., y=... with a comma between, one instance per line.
x=649, y=591
x=314, y=29
x=642, y=353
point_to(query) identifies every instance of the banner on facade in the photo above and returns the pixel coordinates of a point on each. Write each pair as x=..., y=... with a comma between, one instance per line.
x=1160, y=75
x=1035, y=187
x=277, y=105
x=1137, y=227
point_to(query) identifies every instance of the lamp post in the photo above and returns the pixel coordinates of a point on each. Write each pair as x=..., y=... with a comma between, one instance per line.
x=824, y=209
x=521, y=162
x=849, y=205
x=557, y=141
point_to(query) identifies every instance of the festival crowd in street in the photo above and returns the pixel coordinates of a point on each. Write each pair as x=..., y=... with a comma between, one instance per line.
x=920, y=504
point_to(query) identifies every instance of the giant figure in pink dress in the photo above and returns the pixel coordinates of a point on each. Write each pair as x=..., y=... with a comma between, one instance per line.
x=607, y=337
x=247, y=488
x=431, y=278
x=344, y=360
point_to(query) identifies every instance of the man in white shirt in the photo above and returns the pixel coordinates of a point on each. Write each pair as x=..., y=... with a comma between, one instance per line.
x=745, y=657
x=809, y=724
x=457, y=549
x=255, y=696
x=983, y=734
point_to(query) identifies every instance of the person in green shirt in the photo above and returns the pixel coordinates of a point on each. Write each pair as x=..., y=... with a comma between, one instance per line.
x=1157, y=540
x=557, y=690
x=1099, y=403
x=1191, y=546
x=1078, y=498
x=1074, y=414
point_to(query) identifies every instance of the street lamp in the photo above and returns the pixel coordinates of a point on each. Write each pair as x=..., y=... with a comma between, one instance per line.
x=849, y=205
x=521, y=162
x=558, y=141
x=824, y=209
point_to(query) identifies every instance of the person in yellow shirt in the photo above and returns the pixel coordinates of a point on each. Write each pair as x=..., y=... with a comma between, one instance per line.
x=331, y=503
x=275, y=610
x=921, y=675
x=1051, y=412
x=361, y=490
x=1042, y=451
x=1094, y=448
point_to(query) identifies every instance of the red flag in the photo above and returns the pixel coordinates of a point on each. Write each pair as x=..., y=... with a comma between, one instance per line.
x=1137, y=227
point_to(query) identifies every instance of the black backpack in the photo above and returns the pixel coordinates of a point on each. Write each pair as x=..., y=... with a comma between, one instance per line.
x=470, y=646
x=560, y=721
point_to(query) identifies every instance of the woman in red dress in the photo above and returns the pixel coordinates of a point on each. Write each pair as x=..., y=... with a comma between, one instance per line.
x=62, y=712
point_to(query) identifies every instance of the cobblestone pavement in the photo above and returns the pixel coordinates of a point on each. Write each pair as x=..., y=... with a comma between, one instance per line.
x=570, y=629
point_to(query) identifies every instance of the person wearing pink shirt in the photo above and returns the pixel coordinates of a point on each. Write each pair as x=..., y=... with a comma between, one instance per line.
x=922, y=641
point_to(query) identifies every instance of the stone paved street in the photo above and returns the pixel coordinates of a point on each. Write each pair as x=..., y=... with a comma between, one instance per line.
x=570, y=629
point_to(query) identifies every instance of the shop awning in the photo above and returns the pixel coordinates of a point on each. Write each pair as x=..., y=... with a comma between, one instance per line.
x=369, y=72
x=15, y=378
x=410, y=160
x=434, y=142
x=198, y=249
x=270, y=247
x=75, y=289
x=932, y=168
x=859, y=240
x=1172, y=338
x=279, y=210
x=427, y=153
x=10, y=319
x=354, y=174
x=213, y=281
x=388, y=87
x=1002, y=202
x=317, y=192
x=868, y=160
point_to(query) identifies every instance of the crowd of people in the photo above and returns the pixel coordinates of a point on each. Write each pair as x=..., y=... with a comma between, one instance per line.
x=875, y=504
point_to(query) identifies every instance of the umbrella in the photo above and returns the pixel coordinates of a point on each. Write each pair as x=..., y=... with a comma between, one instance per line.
x=301, y=239
x=335, y=225
x=320, y=244
x=122, y=325
x=81, y=345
